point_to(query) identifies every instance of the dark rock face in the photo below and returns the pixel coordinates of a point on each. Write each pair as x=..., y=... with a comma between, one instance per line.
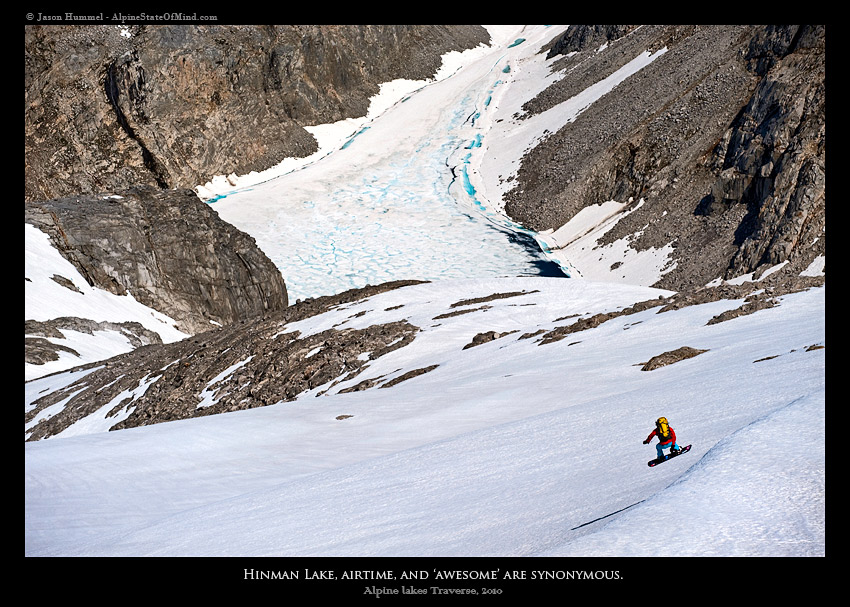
x=581, y=37
x=776, y=151
x=173, y=106
x=240, y=366
x=722, y=136
x=167, y=248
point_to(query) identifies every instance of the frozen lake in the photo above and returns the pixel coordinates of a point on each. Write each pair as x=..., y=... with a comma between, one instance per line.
x=395, y=196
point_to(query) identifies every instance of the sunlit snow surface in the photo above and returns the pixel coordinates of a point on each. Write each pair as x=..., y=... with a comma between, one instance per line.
x=509, y=448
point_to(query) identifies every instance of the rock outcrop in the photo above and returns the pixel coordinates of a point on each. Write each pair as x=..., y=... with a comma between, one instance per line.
x=671, y=357
x=107, y=107
x=39, y=350
x=240, y=366
x=167, y=248
x=722, y=137
x=756, y=296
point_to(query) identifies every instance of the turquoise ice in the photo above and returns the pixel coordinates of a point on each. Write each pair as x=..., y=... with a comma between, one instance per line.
x=396, y=201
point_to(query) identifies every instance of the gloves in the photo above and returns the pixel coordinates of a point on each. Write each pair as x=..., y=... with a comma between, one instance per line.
x=646, y=442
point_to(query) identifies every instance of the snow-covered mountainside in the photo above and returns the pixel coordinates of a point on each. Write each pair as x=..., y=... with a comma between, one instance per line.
x=445, y=381
x=505, y=448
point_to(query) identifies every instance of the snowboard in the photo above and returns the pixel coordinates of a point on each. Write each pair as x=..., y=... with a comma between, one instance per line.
x=656, y=461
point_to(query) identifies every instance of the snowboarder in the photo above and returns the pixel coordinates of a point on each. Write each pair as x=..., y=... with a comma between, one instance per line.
x=666, y=438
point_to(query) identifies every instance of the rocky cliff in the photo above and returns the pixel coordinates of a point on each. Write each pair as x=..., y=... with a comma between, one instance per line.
x=107, y=108
x=167, y=248
x=722, y=137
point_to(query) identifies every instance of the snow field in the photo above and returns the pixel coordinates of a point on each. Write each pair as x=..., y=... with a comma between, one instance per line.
x=506, y=449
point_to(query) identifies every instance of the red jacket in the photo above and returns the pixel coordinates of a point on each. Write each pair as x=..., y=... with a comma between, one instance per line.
x=672, y=438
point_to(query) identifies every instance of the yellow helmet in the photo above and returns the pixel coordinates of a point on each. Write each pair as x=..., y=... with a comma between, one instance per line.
x=661, y=420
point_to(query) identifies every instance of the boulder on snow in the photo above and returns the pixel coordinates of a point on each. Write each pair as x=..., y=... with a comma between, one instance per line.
x=673, y=356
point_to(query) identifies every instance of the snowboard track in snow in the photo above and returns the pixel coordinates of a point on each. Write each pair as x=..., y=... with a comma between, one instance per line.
x=607, y=515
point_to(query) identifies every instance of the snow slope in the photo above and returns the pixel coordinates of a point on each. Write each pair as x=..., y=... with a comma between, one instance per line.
x=507, y=449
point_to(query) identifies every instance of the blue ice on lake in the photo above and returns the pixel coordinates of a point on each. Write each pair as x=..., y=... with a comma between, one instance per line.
x=350, y=141
x=389, y=205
